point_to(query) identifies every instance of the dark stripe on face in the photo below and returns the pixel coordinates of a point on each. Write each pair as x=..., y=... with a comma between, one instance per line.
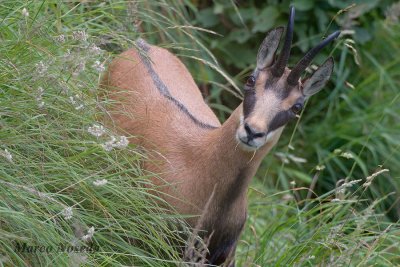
x=249, y=100
x=163, y=89
x=280, y=119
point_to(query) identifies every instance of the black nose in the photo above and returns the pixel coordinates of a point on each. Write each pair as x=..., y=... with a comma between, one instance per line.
x=251, y=133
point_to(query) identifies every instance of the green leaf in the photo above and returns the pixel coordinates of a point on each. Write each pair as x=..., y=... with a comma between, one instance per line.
x=218, y=8
x=265, y=20
x=362, y=35
x=247, y=15
x=303, y=5
x=207, y=18
x=298, y=175
x=240, y=36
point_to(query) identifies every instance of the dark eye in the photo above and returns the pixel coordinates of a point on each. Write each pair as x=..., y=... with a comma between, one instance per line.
x=296, y=108
x=251, y=81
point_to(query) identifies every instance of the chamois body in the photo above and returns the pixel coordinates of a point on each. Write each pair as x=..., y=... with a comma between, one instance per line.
x=188, y=147
x=204, y=168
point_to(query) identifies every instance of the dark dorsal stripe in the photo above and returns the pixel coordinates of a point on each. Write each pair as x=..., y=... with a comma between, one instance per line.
x=162, y=88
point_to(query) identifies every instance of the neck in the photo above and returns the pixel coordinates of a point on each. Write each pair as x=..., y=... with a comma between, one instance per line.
x=231, y=168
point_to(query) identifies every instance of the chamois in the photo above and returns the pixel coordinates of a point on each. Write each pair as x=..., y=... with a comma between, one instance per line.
x=206, y=164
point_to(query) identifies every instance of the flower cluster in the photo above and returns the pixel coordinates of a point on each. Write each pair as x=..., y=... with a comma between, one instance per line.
x=320, y=167
x=25, y=12
x=98, y=66
x=80, y=67
x=39, y=97
x=76, y=101
x=100, y=182
x=121, y=142
x=114, y=141
x=41, y=68
x=60, y=38
x=89, y=234
x=80, y=36
x=96, y=130
x=67, y=213
x=95, y=50
x=6, y=154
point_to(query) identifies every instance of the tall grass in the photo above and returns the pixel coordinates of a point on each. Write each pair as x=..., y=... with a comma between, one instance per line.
x=63, y=181
x=67, y=181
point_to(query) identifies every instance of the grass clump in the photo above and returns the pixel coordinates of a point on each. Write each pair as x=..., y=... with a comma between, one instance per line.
x=339, y=228
x=65, y=180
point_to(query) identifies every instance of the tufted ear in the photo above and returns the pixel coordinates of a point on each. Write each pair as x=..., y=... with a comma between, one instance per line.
x=266, y=52
x=319, y=78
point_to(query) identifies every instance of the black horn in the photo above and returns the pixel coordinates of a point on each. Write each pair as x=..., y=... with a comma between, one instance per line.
x=294, y=75
x=280, y=65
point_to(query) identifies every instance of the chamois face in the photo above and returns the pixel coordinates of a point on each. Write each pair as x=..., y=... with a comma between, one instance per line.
x=274, y=94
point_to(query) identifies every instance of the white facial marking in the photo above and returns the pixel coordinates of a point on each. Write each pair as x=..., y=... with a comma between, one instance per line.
x=255, y=143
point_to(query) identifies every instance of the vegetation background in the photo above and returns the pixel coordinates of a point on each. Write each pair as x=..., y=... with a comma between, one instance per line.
x=328, y=194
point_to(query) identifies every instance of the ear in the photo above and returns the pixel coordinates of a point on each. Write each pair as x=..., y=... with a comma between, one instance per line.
x=319, y=78
x=266, y=52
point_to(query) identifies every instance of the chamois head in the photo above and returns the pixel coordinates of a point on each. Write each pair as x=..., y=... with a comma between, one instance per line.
x=274, y=94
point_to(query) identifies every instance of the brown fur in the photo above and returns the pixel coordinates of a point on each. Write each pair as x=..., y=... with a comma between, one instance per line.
x=193, y=160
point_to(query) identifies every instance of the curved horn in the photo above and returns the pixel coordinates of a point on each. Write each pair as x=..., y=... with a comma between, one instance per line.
x=294, y=75
x=277, y=71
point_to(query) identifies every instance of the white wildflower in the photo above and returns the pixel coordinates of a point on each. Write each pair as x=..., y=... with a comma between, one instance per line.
x=79, y=107
x=94, y=49
x=79, y=36
x=337, y=151
x=79, y=68
x=292, y=183
x=297, y=159
x=60, y=38
x=320, y=167
x=89, y=234
x=6, y=154
x=39, y=97
x=72, y=100
x=64, y=88
x=67, y=213
x=335, y=200
x=68, y=55
x=283, y=157
x=122, y=142
x=100, y=182
x=41, y=68
x=98, y=66
x=25, y=12
x=96, y=130
x=108, y=146
x=311, y=257
x=347, y=155
x=76, y=101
